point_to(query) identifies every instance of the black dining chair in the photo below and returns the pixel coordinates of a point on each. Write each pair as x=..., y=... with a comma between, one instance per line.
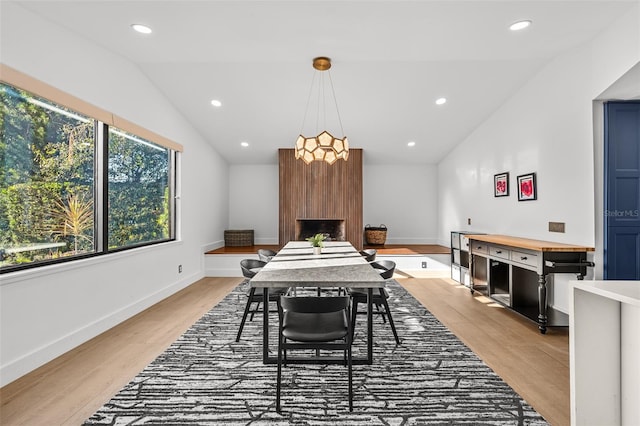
x=369, y=254
x=266, y=255
x=386, y=268
x=250, y=267
x=320, y=323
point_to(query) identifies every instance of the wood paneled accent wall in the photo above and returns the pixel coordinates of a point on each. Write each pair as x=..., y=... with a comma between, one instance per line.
x=321, y=191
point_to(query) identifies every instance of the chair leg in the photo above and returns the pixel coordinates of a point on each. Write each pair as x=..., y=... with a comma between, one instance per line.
x=354, y=314
x=350, y=364
x=255, y=310
x=279, y=378
x=388, y=312
x=382, y=314
x=246, y=312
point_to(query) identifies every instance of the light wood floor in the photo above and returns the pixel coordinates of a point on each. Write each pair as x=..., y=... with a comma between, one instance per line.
x=69, y=389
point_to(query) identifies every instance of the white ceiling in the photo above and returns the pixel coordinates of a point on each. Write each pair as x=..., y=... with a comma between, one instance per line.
x=391, y=61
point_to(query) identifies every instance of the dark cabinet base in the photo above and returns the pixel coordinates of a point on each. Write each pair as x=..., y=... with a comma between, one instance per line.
x=515, y=272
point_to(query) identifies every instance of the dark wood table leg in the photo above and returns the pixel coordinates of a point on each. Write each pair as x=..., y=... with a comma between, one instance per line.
x=542, y=303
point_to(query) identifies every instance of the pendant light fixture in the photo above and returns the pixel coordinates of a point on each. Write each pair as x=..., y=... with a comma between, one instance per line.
x=324, y=146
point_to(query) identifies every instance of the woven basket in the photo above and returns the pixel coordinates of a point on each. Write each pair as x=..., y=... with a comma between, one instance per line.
x=238, y=237
x=375, y=235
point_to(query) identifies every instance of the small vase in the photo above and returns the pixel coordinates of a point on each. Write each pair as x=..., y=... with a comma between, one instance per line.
x=317, y=250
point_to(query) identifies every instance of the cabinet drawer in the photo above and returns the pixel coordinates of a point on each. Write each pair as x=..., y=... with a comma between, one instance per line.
x=478, y=247
x=529, y=259
x=455, y=240
x=455, y=273
x=465, y=277
x=497, y=251
x=456, y=256
x=464, y=243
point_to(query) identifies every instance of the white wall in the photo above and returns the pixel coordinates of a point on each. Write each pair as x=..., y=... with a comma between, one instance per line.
x=46, y=312
x=253, y=200
x=547, y=127
x=402, y=197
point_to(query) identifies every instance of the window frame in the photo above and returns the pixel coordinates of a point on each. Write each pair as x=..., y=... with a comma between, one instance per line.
x=103, y=121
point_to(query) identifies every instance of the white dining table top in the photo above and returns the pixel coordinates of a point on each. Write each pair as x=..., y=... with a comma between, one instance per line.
x=339, y=265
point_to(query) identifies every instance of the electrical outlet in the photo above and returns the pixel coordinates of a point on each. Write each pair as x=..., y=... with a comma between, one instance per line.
x=179, y=269
x=424, y=265
x=556, y=227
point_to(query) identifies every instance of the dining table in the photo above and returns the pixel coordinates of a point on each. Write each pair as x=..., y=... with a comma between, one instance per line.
x=339, y=265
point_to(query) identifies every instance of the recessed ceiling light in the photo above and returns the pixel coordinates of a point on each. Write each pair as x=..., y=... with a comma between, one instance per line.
x=441, y=101
x=244, y=144
x=143, y=29
x=216, y=103
x=412, y=143
x=520, y=25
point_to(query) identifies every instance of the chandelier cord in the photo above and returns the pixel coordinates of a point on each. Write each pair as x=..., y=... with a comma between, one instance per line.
x=335, y=101
x=306, y=110
x=321, y=102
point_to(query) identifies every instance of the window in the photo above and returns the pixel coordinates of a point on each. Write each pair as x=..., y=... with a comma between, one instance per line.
x=139, y=208
x=57, y=200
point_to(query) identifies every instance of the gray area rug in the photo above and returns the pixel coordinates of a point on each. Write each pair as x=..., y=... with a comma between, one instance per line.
x=206, y=378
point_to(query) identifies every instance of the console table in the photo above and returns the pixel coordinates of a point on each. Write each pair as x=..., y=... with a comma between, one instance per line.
x=514, y=271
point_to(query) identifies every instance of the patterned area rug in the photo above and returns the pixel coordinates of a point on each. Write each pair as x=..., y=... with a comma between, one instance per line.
x=206, y=378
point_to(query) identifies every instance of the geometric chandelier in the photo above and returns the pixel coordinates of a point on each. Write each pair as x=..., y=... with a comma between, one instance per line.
x=324, y=146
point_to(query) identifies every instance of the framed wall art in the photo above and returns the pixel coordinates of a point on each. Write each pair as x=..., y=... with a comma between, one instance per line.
x=527, y=187
x=501, y=184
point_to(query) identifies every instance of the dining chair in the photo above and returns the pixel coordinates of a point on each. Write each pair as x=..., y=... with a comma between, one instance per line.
x=250, y=267
x=386, y=268
x=369, y=254
x=266, y=255
x=311, y=322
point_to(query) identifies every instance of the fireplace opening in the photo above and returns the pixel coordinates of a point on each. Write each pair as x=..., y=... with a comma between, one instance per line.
x=333, y=229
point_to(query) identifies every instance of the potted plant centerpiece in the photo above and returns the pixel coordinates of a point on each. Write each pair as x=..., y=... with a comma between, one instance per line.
x=317, y=243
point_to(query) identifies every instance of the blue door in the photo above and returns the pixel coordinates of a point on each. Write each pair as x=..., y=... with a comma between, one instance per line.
x=622, y=191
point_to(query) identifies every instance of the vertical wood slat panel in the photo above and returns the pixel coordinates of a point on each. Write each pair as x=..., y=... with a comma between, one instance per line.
x=320, y=191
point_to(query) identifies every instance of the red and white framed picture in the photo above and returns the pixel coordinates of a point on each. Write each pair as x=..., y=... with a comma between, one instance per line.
x=527, y=187
x=501, y=184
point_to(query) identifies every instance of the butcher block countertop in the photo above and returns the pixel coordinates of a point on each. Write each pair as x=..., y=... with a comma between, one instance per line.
x=527, y=243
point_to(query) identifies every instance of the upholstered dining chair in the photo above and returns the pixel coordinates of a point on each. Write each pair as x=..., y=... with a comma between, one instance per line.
x=266, y=255
x=250, y=267
x=320, y=323
x=369, y=254
x=386, y=268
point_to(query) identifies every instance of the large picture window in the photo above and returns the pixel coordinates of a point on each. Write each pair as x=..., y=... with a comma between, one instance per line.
x=59, y=198
x=139, y=209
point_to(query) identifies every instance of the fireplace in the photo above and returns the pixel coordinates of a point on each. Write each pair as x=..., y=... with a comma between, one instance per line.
x=334, y=228
x=320, y=191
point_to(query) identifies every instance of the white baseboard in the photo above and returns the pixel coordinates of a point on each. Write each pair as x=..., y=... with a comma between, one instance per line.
x=228, y=265
x=409, y=240
x=225, y=265
x=29, y=362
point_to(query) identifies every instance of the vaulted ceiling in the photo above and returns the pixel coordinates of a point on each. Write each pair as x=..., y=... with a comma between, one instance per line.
x=391, y=61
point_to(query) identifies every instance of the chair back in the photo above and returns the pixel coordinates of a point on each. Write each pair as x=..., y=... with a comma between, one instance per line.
x=369, y=254
x=250, y=267
x=314, y=304
x=386, y=268
x=266, y=255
